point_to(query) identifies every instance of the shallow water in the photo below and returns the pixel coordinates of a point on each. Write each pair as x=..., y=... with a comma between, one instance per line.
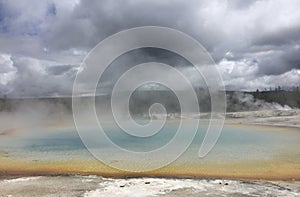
x=241, y=152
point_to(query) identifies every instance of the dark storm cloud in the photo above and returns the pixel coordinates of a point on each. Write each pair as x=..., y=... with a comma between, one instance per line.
x=254, y=43
x=280, y=61
x=285, y=36
x=92, y=21
x=285, y=49
x=59, y=70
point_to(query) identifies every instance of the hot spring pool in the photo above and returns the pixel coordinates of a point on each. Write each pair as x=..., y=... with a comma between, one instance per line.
x=256, y=152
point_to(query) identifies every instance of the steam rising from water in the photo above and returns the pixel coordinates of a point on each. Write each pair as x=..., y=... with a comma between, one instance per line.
x=30, y=113
x=26, y=113
x=239, y=101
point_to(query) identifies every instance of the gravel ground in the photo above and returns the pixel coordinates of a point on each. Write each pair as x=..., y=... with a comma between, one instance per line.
x=90, y=186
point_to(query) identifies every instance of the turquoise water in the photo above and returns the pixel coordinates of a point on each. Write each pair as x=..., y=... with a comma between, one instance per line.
x=235, y=143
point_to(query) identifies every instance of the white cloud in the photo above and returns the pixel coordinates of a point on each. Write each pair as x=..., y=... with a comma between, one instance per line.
x=27, y=77
x=240, y=68
x=7, y=70
x=243, y=74
x=255, y=43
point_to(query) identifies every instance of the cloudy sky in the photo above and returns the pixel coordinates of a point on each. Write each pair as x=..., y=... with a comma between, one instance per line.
x=255, y=44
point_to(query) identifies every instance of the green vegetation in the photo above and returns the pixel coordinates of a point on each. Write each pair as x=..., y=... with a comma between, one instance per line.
x=290, y=98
